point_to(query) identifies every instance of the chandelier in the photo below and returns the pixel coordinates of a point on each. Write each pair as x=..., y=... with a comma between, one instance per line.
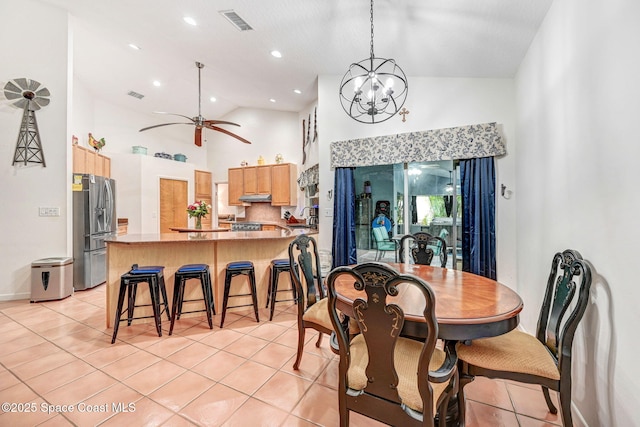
x=374, y=89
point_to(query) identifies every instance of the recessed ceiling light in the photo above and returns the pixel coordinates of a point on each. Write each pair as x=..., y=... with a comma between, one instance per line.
x=189, y=20
x=133, y=46
x=276, y=54
x=157, y=83
x=298, y=91
x=272, y=100
x=213, y=99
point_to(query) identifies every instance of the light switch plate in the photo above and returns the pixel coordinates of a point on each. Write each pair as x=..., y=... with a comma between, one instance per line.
x=43, y=211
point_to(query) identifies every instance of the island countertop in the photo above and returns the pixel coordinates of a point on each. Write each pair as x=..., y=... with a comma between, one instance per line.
x=215, y=249
x=209, y=236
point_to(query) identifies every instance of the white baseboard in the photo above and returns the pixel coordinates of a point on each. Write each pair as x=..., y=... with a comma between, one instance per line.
x=15, y=297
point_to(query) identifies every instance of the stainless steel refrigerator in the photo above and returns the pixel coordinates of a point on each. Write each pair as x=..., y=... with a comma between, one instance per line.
x=94, y=220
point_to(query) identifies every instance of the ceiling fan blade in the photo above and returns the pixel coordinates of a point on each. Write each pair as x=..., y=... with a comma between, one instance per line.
x=228, y=133
x=198, y=136
x=174, y=114
x=219, y=122
x=164, y=124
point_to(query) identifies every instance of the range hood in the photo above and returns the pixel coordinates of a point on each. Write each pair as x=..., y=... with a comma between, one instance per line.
x=256, y=198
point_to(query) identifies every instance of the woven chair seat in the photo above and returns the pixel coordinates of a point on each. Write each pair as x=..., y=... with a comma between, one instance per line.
x=406, y=356
x=318, y=313
x=515, y=351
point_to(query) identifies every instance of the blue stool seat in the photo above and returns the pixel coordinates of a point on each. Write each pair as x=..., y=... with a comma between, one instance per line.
x=154, y=278
x=234, y=269
x=184, y=273
x=277, y=267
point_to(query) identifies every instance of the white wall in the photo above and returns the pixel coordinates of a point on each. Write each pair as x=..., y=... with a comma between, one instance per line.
x=577, y=169
x=433, y=103
x=34, y=44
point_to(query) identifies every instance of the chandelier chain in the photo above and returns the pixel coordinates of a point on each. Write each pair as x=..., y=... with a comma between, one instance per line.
x=371, y=11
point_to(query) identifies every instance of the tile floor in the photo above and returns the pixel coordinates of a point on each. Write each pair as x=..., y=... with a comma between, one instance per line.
x=57, y=355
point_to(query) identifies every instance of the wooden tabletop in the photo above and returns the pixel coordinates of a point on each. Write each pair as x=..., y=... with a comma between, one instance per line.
x=197, y=230
x=468, y=306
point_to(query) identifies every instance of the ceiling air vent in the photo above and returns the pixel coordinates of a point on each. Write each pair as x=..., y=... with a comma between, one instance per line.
x=236, y=20
x=135, y=94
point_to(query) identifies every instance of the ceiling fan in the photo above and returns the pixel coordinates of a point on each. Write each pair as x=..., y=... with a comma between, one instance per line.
x=199, y=122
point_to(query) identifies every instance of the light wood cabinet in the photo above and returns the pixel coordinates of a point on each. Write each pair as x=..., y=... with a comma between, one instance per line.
x=203, y=192
x=236, y=186
x=257, y=179
x=88, y=161
x=283, y=184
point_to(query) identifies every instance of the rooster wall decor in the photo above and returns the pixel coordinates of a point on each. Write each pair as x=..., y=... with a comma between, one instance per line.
x=199, y=122
x=97, y=144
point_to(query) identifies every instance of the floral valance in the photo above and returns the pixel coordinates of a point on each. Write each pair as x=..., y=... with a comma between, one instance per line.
x=309, y=177
x=463, y=142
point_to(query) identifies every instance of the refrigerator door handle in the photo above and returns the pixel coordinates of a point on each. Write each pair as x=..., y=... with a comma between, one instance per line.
x=108, y=205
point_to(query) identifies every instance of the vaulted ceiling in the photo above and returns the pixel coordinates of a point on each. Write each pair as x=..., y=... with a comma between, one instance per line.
x=435, y=38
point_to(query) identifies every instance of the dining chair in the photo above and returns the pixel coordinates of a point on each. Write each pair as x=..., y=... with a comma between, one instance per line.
x=381, y=375
x=310, y=293
x=423, y=247
x=383, y=244
x=545, y=358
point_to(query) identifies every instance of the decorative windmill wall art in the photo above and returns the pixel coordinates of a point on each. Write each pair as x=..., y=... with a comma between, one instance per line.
x=30, y=96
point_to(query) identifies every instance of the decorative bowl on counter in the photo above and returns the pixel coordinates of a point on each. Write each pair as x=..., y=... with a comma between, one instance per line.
x=137, y=149
x=163, y=156
x=180, y=157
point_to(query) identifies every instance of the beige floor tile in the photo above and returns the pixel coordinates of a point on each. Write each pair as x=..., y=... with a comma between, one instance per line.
x=256, y=413
x=110, y=354
x=532, y=422
x=146, y=413
x=530, y=402
x=274, y=355
x=31, y=417
x=311, y=366
x=214, y=406
x=129, y=365
x=178, y=421
x=168, y=345
x=268, y=331
x=25, y=349
x=293, y=421
x=248, y=377
x=8, y=379
x=154, y=377
x=60, y=376
x=80, y=389
x=219, y=365
x=56, y=421
x=283, y=390
x=481, y=415
x=329, y=377
x=488, y=391
x=319, y=405
x=190, y=356
x=43, y=364
x=221, y=338
x=180, y=391
x=246, y=346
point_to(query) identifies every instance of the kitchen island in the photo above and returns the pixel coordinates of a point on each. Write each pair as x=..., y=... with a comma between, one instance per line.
x=172, y=250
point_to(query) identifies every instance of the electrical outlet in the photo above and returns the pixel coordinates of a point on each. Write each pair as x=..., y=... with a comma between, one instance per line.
x=48, y=211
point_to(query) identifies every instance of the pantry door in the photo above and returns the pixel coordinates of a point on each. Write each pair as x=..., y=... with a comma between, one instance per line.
x=173, y=204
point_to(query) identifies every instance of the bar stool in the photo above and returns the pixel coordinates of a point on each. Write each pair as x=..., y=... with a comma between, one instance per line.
x=152, y=276
x=234, y=269
x=278, y=266
x=184, y=273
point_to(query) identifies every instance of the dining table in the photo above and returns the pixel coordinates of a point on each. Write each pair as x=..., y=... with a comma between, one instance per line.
x=468, y=306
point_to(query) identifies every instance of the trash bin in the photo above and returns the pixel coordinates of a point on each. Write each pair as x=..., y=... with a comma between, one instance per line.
x=51, y=279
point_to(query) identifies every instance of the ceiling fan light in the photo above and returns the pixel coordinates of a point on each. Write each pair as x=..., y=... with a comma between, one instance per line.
x=157, y=83
x=297, y=91
x=189, y=20
x=276, y=54
x=213, y=99
x=134, y=46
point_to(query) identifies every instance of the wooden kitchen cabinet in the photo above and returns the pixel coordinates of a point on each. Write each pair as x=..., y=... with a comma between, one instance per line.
x=203, y=192
x=88, y=161
x=236, y=186
x=283, y=184
x=257, y=179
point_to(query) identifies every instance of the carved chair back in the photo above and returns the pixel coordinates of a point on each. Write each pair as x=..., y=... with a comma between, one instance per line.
x=423, y=247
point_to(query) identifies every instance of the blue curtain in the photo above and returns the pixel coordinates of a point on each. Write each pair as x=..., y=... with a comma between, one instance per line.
x=344, y=218
x=478, y=183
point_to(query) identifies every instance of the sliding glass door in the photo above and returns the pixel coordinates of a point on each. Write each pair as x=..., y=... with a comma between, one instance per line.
x=413, y=197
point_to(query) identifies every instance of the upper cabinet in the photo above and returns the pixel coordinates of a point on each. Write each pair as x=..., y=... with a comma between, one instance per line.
x=283, y=184
x=204, y=191
x=277, y=180
x=236, y=186
x=89, y=161
x=257, y=179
